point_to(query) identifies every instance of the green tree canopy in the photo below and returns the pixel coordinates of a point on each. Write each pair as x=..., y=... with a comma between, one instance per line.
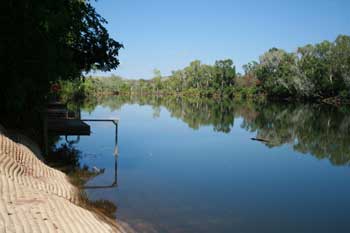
x=48, y=40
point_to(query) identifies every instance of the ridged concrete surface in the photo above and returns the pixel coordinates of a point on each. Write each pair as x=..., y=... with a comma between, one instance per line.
x=37, y=198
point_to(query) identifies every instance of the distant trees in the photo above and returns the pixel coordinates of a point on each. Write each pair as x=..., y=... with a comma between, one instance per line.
x=277, y=72
x=225, y=73
x=157, y=81
x=341, y=60
x=312, y=72
x=198, y=78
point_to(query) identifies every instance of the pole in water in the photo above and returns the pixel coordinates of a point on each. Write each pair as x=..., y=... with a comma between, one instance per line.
x=116, y=153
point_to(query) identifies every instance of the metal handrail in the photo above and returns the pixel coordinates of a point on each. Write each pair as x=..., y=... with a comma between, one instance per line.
x=115, y=121
x=116, y=153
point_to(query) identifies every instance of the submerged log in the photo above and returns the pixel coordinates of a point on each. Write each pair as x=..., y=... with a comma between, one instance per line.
x=260, y=140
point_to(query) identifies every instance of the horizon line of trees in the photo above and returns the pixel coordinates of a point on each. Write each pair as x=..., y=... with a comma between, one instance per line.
x=315, y=71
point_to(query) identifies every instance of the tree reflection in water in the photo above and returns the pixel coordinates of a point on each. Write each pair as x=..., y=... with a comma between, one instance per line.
x=318, y=129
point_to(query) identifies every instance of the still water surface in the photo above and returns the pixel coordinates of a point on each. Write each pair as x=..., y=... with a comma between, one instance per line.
x=190, y=165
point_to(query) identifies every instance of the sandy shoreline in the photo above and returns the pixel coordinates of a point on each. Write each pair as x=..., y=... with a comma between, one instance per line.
x=37, y=198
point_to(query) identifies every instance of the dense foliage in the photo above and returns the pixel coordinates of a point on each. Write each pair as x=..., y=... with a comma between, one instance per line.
x=312, y=72
x=194, y=80
x=43, y=41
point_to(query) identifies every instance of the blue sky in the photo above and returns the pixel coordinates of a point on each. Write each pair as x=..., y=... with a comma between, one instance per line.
x=167, y=35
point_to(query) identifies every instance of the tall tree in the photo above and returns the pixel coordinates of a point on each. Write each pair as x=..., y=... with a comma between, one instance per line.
x=48, y=40
x=226, y=73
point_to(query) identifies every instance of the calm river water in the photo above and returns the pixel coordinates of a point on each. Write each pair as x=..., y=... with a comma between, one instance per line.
x=191, y=166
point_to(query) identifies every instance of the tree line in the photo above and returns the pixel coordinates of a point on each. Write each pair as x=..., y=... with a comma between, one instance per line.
x=315, y=71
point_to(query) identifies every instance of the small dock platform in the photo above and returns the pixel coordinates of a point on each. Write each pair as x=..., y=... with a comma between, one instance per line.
x=68, y=127
x=62, y=122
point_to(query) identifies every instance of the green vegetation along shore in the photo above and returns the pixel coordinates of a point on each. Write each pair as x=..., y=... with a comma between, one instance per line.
x=313, y=72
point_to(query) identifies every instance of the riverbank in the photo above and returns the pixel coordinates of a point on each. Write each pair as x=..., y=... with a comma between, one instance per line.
x=37, y=198
x=90, y=92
